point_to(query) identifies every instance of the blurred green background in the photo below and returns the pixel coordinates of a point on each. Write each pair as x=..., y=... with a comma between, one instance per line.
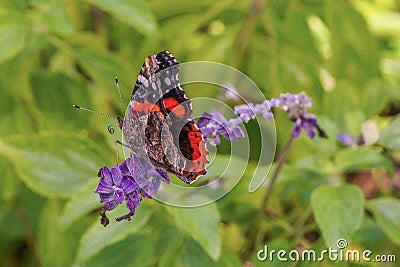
x=344, y=54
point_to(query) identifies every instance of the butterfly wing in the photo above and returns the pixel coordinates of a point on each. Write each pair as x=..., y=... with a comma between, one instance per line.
x=160, y=115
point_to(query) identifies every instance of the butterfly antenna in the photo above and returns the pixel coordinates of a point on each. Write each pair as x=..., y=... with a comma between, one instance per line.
x=119, y=92
x=96, y=112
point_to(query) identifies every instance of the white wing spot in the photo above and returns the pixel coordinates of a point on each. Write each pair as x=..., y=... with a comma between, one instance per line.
x=167, y=81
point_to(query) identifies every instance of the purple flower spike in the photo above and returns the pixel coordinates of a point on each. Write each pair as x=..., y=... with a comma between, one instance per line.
x=214, y=124
x=249, y=111
x=295, y=104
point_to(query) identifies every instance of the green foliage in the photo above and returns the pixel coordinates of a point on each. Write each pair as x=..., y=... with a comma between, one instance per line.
x=132, y=13
x=343, y=54
x=387, y=214
x=97, y=237
x=390, y=136
x=201, y=224
x=338, y=211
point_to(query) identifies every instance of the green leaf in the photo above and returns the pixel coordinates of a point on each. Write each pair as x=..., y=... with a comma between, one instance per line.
x=55, y=16
x=374, y=97
x=228, y=259
x=351, y=57
x=80, y=204
x=98, y=237
x=369, y=233
x=56, y=247
x=390, y=136
x=364, y=158
x=104, y=66
x=30, y=204
x=14, y=33
x=191, y=254
x=9, y=189
x=345, y=96
x=133, y=13
x=51, y=90
x=200, y=223
x=17, y=6
x=169, y=238
x=299, y=184
x=17, y=119
x=136, y=250
x=386, y=212
x=338, y=211
x=354, y=119
x=169, y=243
x=54, y=164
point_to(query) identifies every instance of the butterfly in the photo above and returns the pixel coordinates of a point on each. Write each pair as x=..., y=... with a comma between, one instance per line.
x=158, y=123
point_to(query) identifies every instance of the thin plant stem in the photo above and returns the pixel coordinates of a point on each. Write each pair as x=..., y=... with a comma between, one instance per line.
x=242, y=39
x=256, y=231
x=299, y=226
x=274, y=177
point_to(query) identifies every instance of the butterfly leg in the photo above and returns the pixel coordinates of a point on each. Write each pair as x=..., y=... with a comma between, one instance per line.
x=104, y=219
x=125, y=217
x=116, y=143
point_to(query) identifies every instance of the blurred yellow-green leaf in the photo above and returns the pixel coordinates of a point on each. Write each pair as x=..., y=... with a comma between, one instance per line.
x=386, y=212
x=54, y=164
x=133, y=13
x=14, y=32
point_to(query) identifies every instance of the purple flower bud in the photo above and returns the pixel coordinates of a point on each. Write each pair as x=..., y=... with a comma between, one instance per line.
x=346, y=139
x=245, y=111
x=295, y=104
x=204, y=120
x=307, y=122
x=267, y=115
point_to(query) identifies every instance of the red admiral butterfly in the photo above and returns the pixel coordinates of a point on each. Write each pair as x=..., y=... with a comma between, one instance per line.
x=158, y=124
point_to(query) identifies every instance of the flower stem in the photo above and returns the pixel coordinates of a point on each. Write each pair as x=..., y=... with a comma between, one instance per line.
x=279, y=164
x=242, y=39
x=256, y=234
